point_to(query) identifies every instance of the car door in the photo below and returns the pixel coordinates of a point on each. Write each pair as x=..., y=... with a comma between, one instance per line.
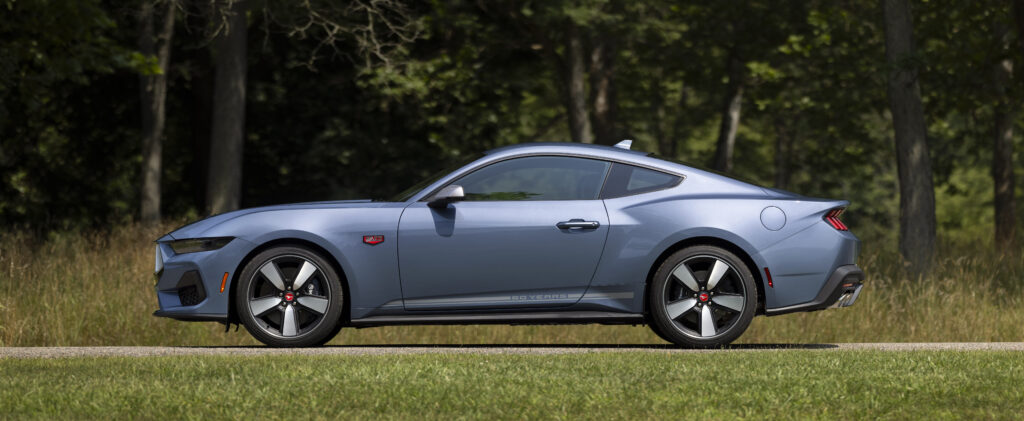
x=529, y=233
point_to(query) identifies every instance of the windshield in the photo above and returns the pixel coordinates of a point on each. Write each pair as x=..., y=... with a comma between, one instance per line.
x=411, y=191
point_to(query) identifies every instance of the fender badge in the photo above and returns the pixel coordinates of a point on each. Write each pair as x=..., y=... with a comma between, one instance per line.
x=373, y=239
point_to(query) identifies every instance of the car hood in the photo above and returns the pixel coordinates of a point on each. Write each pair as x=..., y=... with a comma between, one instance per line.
x=195, y=229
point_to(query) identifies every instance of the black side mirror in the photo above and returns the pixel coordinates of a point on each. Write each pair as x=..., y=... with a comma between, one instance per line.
x=450, y=194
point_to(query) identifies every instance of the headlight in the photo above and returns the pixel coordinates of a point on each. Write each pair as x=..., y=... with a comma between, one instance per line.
x=193, y=245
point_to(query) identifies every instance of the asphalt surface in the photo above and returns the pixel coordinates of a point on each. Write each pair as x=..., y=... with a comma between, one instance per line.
x=153, y=351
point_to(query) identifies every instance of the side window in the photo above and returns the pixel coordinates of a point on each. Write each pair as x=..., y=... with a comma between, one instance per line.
x=537, y=178
x=626, y=180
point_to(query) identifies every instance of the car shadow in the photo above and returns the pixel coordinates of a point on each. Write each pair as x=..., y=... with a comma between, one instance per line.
x=548, y=346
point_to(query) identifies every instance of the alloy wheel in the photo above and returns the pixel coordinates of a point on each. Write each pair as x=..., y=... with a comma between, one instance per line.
x=704, y=297
x=288, y=296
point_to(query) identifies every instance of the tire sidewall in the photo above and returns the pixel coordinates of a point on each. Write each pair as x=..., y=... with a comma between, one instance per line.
x=327, y=328
x=659, y=314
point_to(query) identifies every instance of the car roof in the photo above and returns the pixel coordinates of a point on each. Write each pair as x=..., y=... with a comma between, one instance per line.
x=611, y=153
x=632, y=157
x=568, y=147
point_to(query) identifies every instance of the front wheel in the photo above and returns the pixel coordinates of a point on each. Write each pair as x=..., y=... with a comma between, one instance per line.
x=290, y=297
x=702, y=297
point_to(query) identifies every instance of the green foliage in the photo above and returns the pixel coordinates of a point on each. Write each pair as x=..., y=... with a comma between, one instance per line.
x=63, y=149
x=146, y=65
x=325, y=121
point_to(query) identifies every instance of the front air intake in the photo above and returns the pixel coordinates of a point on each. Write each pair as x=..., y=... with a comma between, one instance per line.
x=190, y=289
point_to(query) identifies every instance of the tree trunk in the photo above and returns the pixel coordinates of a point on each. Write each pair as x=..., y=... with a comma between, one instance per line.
x=602, y=89
x=666, y=144
x=1018, y=18
x=201, y=87
x=575, y=87
x=917, y=194
x=224, y=181
x=730, y=121
x=1002, y=152
x=153, y=98
x=679, y=123
x=784, y=136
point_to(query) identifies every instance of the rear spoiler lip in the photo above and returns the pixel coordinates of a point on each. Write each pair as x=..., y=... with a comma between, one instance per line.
x=827, y=206
x=794, y=197
x=822, y=205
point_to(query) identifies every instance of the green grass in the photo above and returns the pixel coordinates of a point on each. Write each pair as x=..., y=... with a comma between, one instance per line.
x=634, y=385
x=96, y=288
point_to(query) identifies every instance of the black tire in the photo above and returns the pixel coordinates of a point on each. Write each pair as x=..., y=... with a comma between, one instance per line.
x=682, y=305
x=263, y=298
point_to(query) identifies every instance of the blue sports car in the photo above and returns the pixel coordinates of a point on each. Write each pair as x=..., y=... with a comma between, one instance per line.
x=526, y=234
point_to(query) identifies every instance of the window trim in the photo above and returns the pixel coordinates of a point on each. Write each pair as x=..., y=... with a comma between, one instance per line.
x=682, y=177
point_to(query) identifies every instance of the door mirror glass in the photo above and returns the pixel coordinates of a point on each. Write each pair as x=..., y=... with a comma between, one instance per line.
x=449, y=194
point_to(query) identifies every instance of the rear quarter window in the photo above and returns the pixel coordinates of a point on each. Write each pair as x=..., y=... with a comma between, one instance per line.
x=628, y=180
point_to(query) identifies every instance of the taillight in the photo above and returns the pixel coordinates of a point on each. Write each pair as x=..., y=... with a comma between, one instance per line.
x=832, y=217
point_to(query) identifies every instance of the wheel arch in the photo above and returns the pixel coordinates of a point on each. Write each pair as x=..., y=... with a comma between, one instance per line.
x=290, y=241
x=708, y=241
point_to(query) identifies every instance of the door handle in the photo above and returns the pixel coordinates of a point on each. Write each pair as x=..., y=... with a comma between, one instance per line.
x=577, y=224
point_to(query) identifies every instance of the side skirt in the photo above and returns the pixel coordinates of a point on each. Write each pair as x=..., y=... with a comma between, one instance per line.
x=540, y=318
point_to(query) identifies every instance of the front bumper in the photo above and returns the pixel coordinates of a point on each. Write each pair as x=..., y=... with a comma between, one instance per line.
x=189, y=285
x=841, y=290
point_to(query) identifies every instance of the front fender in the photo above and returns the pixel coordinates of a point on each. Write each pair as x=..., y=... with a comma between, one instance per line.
x=371, y=271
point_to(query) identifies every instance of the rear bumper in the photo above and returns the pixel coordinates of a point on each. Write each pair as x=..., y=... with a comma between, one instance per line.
x=841, y=290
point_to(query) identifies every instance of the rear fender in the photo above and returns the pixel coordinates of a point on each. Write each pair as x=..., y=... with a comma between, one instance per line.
x=727, y=236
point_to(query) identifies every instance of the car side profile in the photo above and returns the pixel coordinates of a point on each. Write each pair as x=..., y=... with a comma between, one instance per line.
x=556, y=233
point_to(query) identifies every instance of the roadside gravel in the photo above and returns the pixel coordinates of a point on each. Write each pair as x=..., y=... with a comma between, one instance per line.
x=147, y=351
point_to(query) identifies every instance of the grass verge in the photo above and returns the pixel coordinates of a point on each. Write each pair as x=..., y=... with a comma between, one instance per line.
x=96, y=288
x=647, y=385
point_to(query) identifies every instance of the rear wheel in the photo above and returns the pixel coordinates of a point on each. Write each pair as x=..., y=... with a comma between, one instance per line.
x=703, y=297
x=290, y=297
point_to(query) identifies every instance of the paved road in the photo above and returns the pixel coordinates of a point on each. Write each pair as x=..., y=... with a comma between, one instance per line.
x=148, y=351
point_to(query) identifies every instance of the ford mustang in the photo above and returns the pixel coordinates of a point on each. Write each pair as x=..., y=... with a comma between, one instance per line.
x=555, y=233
